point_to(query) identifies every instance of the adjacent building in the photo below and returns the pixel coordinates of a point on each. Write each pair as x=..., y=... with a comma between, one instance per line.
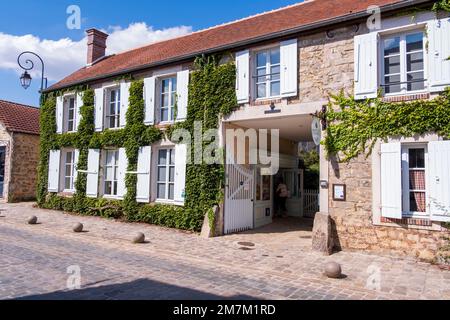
x=19, y=151
x=289, y=60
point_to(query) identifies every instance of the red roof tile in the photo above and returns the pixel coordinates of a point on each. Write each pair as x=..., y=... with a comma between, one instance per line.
x=295, y=16
x=19, y=118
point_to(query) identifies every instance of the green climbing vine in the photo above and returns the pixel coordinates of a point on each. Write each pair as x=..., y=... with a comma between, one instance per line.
x=211, y=94
x=441, y=5
x=355, y=126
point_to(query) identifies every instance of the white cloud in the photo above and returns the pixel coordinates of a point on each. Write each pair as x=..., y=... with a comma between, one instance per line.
x=64, y=56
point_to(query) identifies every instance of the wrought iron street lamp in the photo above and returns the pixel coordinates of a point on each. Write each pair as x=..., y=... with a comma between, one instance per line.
x=27, y=65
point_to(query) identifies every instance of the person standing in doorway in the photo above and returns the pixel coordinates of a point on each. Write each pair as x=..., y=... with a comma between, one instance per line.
x=282, y=194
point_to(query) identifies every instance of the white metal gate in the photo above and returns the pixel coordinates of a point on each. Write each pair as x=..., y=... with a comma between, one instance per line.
x=239, y=192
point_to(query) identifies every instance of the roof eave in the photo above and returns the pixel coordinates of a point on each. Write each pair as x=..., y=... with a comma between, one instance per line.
x=279, y=34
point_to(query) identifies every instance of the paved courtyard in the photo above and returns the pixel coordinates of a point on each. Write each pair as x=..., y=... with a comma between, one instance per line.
x=34, y=262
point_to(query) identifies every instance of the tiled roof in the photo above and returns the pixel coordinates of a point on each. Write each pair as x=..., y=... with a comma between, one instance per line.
x=19, y=118
x=285, y=19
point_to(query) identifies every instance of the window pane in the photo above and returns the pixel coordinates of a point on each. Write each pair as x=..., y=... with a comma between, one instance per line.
x=164, y=114
x=414, y=61
x=109, y=158
x=171, y=174
x=162, y=173
x=419, y=85
x=417, y=202
x=108, y=189
x=392, y=88
x=174, y=98
x=261, y=59
x=161, y=191
x=261, y=90
x=171, y=192
x=391, y=46
x=275, y=89
x=174, y=84
x=68, y=184
x=275, y=71
x=417, y=158
x=417, y=180
x=68, y=172
x=172, y=156
x=392, y=65
x=162, y=157
x=165, y=85
x=165, y=100
x=261, y=73
x=414, y=42
x=275, y=56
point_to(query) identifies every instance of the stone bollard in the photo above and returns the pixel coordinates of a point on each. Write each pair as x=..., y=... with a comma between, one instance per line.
x=333, y=270
x=139, y=238
x=32, y=220
x=78, y=228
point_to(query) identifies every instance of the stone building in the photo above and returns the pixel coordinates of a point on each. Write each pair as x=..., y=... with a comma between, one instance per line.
x=19, y=151
x=288, y=63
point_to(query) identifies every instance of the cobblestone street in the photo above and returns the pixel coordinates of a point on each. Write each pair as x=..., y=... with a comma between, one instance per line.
x=181, y=265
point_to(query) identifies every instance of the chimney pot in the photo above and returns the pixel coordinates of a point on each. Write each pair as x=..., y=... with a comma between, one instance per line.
x=96, y=45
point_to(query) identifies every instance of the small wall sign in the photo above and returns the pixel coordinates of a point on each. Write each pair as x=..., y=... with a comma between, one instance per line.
x=339, y=192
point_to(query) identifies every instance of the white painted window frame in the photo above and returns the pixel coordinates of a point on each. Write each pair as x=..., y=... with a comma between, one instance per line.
x=115, y=169
x=403, y=67
x=66, y=109
x=63, y=166
x=376, y=180
x=167, y=178
x=107, y=109
x=407, y=213
x=171, y=106
x=254, y=79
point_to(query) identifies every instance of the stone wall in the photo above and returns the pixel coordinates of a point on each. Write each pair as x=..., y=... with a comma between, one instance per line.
x=24, y=163
x=353, y=226
x=5, y=140
x=326, y=65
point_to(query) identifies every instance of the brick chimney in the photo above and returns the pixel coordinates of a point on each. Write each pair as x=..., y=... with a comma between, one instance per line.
x=96, y=45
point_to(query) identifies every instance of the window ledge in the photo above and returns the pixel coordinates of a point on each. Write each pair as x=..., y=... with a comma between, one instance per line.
x=267, y=101
x=66, y=194
x=169, y=203
x=407, y=97
x=421, y=222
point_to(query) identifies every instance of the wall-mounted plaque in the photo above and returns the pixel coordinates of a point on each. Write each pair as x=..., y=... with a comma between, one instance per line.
x=339, y=192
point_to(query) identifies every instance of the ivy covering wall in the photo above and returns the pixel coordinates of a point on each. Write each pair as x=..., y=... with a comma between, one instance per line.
x=355, y=126
x=211, y=94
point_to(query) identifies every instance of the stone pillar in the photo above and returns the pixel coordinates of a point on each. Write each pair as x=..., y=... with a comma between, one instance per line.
x=322, y=234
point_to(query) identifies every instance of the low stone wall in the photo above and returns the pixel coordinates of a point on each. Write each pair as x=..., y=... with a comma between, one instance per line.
x=24, y=163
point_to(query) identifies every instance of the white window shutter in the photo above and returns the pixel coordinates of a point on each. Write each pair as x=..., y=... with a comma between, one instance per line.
x=122, y=170
x=124, y=102
x=78, y=105
x=149, y=94
x=366, y=66
x=243, y=76
x=391, y=180
x=143, y=172
x=92, y=174
x=75, y=162
x=59, y=114
x=438, y=53
x=438, y=180
x=53, y=170
x=183, y=94
x=180, y=172
x=99, y=105
x=289, y=68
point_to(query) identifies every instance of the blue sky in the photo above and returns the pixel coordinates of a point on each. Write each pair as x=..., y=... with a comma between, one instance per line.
x=46, y=20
